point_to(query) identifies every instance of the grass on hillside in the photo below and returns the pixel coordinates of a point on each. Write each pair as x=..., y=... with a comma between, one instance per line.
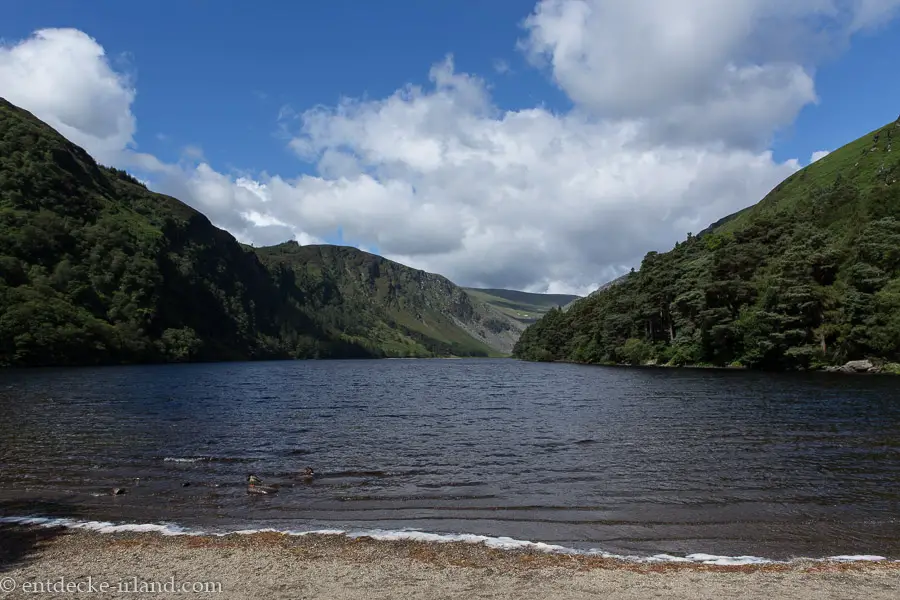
x=866, y=162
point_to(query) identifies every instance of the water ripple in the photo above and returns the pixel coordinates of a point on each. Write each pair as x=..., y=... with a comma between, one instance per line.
x=634, y=460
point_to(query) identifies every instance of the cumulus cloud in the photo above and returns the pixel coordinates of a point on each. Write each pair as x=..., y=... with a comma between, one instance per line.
x=441, y=179
x=697, y=69
x=674, y=106
x=63, y=76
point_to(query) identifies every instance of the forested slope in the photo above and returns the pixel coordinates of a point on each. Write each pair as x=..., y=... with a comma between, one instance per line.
x=809, y=277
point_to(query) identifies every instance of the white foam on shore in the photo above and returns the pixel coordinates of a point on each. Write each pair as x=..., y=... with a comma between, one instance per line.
x=97, y=526
x=499, y=543
x=858, y=557
x=711, y=559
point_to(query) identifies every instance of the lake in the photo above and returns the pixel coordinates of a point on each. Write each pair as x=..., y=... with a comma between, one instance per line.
x=628, y=461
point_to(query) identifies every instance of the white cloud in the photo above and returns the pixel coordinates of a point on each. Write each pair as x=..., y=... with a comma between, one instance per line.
x=441, y=179
x=64, y=77
x=698, y=69
x=674, y=106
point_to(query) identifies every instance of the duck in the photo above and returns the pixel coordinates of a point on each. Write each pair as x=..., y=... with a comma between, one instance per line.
x=309, y=474
x=255, y=486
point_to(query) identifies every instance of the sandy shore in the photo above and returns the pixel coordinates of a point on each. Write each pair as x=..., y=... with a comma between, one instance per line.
x=322, y=567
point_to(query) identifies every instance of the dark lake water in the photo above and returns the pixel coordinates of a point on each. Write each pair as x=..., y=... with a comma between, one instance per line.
x=631, y=461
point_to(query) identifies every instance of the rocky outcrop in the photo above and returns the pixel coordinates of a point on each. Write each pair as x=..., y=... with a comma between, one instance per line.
x=856, y=366
x=491, y=327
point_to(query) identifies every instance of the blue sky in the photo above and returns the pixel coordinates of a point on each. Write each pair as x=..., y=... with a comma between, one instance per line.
x=222, y=76
x=857, y=94
x=201, y=64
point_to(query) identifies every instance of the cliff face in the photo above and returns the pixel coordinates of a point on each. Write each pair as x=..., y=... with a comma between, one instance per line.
x=384, y=296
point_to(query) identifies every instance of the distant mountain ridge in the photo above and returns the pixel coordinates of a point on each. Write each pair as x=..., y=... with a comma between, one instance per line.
x=808, y=278
x=97, y=269
x=523, y=307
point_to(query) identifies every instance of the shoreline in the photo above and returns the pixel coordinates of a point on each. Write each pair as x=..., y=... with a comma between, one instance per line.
x=830, y=370
x=388, y=536
x=226, y=361
x=275, y=565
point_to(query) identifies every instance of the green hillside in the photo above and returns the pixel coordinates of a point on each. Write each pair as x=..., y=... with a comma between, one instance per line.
x=809, y=277
x=96, y=269
x=400, y=310
x=524, y=307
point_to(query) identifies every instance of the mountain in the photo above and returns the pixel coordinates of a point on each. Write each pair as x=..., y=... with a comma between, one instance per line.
x=403, y=311
x=807, y=278
x=523, y=307
x=96, y=269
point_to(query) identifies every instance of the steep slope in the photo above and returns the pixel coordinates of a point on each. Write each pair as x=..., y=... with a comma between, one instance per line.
x=809, y=277
x=96, y=269
x=391, y=307
x=523, y=307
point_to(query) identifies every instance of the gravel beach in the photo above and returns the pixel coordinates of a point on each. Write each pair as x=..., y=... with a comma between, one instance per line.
x=62, y=563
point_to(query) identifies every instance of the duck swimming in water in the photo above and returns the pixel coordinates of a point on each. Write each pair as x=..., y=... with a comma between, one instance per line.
x=309, y=474
x=255, y=486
